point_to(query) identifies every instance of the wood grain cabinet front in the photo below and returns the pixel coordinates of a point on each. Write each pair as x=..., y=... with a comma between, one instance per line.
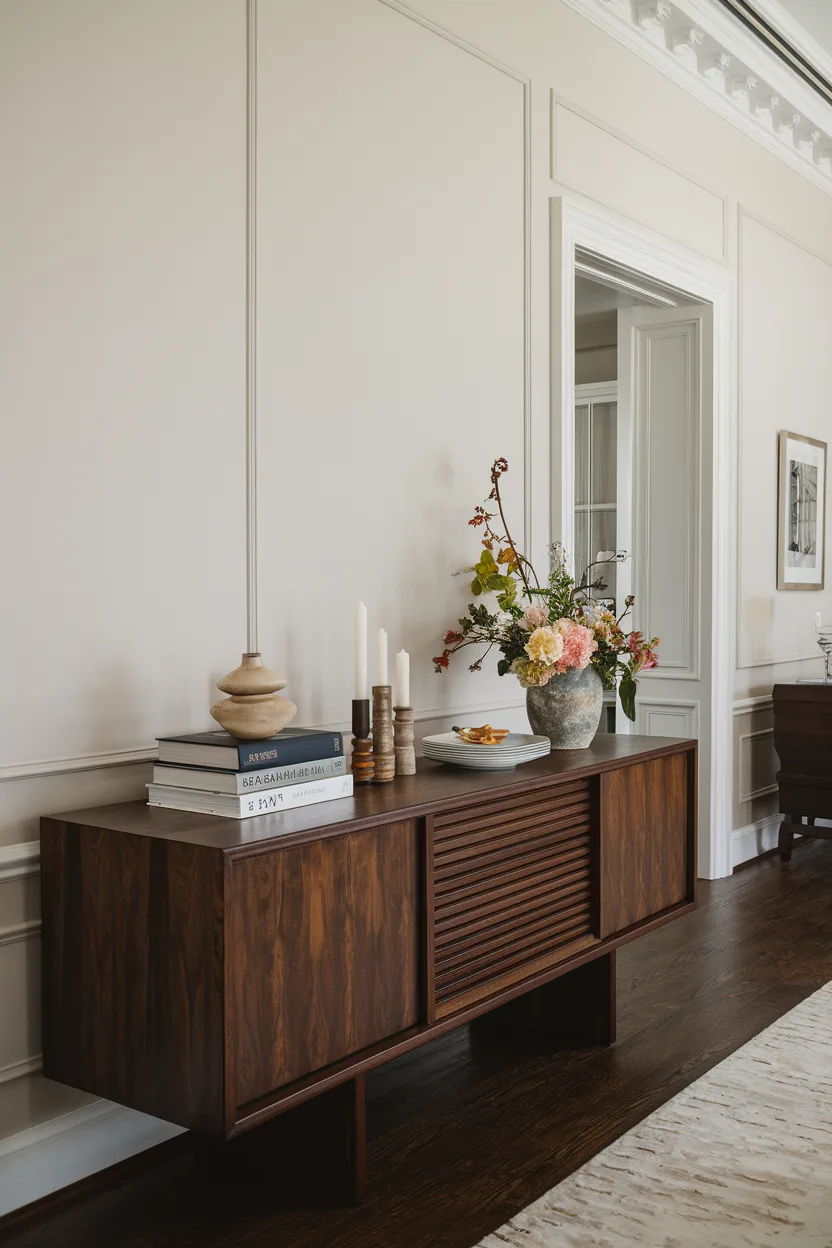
x=512, y=891
x=324, y=953
x=647, y=840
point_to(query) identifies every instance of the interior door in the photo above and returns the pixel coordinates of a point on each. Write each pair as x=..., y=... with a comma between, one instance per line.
x=665, y=419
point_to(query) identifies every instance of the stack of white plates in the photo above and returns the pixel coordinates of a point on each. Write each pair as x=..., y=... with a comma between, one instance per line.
x=517, y=747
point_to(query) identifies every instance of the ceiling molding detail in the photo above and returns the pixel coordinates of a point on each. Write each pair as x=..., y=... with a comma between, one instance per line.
x=788, y=40
x=712, y=55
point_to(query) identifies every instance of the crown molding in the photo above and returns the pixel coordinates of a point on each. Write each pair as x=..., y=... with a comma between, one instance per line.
x=708, y=52
x=788, y=39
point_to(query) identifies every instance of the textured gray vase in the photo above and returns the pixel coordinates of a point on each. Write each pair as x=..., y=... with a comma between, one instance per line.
x=568, y=709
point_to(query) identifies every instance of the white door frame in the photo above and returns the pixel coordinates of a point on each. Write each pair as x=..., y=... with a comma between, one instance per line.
x=574, y=224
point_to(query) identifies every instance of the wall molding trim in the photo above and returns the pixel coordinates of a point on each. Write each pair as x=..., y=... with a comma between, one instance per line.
x=688, y=666
x=78, y=762
x=62, y=1150
x=251, y=326
x=664, y=707
x=557, y=101
x=701, y=47
x=525, y=81
x=750, y=795
x=148, y=754
x=16, y=1070
x=18, y=861
x=754, y=839
x=747, y=706
x=19, y=931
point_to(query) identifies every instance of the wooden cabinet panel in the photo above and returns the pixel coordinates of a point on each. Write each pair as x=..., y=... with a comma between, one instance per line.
x=324, y=953
x=646, y=840
x=132, y=971
x=512, y=891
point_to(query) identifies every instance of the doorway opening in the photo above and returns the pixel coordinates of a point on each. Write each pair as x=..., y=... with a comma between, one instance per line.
x=643, y=410
x=641, y=422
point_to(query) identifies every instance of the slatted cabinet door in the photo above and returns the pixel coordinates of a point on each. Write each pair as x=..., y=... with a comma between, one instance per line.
x=512, y=891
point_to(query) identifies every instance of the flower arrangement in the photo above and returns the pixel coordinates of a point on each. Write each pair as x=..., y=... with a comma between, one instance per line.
x=544, y=630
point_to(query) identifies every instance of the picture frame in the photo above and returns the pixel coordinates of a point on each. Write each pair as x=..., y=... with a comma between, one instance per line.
x=801, y=512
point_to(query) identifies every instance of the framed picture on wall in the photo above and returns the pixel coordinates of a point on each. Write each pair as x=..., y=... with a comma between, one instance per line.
x=801, y=512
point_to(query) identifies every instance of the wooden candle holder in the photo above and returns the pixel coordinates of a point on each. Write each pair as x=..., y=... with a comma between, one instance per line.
x=384, y=758
x=363, y=765
x=403, y=741
x=362, y=746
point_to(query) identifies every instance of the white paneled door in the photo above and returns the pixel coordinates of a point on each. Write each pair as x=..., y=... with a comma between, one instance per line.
x=665, y=434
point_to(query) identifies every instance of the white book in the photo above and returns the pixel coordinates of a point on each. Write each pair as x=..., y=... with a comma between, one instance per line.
x=248, y=781
x=244, y=805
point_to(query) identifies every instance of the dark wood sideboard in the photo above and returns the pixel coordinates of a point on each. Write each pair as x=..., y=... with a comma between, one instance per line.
x=216, y=973
x=803, y=741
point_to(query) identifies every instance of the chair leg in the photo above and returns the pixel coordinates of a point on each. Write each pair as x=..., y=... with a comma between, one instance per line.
x=785, y=839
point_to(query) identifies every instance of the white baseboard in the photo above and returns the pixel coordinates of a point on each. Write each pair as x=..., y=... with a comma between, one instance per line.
x=754, y=839
x=73, y=1146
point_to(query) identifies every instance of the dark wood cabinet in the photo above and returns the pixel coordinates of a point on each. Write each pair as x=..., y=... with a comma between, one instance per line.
x=324, y=953
x=646, y=814
x=216, y=973
x=803, y=741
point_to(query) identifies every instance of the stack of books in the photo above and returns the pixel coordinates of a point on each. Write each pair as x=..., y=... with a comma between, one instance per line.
x=214, y=773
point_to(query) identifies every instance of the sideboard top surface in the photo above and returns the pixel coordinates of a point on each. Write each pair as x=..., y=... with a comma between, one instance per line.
x=433, y=787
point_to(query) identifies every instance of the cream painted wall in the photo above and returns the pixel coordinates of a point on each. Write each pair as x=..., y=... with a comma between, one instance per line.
x=122, y=472
x=392, y=292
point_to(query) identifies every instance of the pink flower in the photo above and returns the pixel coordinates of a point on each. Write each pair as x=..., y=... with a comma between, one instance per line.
x=634, y=643
x=579, y=645
x=535, y=617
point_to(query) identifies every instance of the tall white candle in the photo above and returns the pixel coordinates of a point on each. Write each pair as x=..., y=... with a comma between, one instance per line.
x=402, y=679
x=381, y=654
x=360, y=651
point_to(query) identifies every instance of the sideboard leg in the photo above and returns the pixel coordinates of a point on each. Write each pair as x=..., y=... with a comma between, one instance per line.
x=576, y=1010
x=354, y=1172
x=316, y=1152
x=333, y=1126
x=785, y=839
x=595, y=998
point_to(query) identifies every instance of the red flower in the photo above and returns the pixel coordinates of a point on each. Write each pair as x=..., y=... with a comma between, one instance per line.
x=451, y=638
x=442, y=660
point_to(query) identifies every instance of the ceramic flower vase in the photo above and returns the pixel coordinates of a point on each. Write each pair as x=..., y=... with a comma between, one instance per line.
x=255, y=709
x=568, y=709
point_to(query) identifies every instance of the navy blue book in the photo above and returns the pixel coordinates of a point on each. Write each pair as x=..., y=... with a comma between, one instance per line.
x=221, y=750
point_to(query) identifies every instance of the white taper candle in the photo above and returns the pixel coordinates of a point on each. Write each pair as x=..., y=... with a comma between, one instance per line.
x=402, y=679
x=360, y=651
x=381, y=653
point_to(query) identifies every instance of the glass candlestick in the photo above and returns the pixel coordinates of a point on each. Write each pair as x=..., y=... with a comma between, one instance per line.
x=823, y=628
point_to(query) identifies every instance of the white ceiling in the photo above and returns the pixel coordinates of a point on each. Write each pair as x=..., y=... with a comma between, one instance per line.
x=815, y=16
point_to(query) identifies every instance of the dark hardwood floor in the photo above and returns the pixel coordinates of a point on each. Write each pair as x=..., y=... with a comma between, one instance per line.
x=468, y=1131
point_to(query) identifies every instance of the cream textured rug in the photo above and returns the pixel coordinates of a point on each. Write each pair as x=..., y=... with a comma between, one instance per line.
x=740, y=1159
